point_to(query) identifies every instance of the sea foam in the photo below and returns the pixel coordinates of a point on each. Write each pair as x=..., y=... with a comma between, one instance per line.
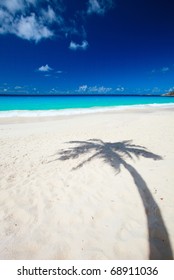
x=79, y=111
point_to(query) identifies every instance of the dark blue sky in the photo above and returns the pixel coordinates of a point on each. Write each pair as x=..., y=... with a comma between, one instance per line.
x=86, y=46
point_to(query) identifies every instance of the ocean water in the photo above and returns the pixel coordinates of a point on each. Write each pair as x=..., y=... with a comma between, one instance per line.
x=55, y=105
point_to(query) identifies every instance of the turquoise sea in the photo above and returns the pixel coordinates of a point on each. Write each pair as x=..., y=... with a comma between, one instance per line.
x=16, y=105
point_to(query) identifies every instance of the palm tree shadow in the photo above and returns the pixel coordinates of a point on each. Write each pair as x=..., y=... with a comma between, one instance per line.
x=114, y=154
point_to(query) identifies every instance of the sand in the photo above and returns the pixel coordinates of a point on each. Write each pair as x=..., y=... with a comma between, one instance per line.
x=111, y=197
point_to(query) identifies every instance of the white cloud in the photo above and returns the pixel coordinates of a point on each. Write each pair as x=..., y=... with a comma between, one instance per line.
x=53, y=91
x=165, y=69
x=104, y=89
x=99, y=6
x=26, y=19
x=6, y=21
x=59, y=72
x=35, y=20
x=93, y=89
x=45, y=68
x=120, y=89
x=31, y=28
x=49, y=14
x=171, y=89
x=75, y=46
x=156, y=90
x=94, y=7
x=99, y=89
x=82, y=88
x=13, y=5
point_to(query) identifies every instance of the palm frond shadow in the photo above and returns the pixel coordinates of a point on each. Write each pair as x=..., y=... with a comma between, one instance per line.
x=115, y=154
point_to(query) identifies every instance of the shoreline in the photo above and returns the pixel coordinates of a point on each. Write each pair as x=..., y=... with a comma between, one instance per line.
x=34, y=117
x=82, y=111
x=62, y=202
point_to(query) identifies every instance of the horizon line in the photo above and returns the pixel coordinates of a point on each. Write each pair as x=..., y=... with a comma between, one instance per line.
x=87, y=95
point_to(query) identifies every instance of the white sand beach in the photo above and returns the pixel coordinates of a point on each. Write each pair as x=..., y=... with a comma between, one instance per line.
x=94, y=186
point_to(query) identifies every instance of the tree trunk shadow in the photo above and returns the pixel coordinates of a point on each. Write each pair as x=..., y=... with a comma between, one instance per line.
x=159, y=243
x=114, y=154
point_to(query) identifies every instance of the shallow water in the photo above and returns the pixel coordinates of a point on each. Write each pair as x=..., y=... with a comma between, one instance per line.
x=53, y=105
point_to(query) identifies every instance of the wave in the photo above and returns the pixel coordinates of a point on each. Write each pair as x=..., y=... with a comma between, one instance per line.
x=78, y=111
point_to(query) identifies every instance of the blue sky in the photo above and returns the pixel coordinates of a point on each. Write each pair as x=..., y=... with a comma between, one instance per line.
x=86, y=46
